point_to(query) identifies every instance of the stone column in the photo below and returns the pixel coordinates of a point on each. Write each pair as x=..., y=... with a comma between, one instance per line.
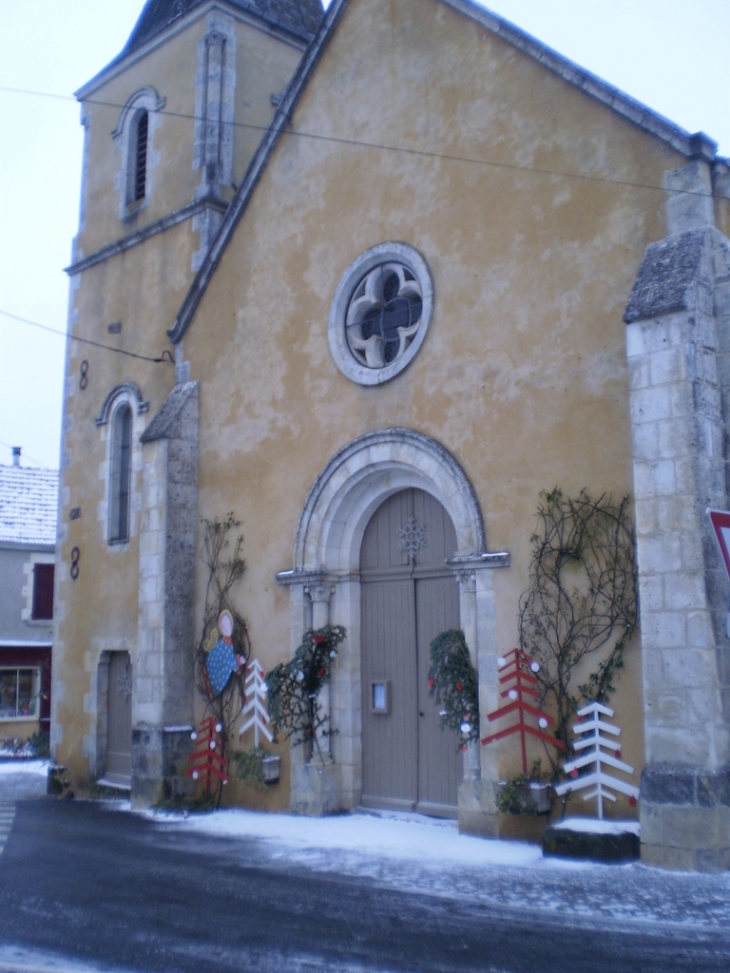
x=215, y=89
x=673, y=319
x=320, y=593
x=163, y=700
x=477, y=811
x=315, y=780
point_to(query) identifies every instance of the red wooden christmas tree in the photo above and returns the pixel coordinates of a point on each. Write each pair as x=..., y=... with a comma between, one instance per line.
x=206, y=761
x=518, y=678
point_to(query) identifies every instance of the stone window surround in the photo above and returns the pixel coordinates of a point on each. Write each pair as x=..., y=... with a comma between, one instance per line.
x=26, y=612
x=127, y=393
x=325, y=580
x=367, y=261
x=144, y=99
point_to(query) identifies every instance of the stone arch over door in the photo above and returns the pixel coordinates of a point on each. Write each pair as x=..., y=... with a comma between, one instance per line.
x=325, y=588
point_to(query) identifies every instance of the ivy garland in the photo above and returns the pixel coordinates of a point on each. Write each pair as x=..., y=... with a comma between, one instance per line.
x=294, y=686
x=452, y=679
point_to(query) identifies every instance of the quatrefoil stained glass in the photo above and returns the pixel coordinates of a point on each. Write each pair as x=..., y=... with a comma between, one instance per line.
x=383, y=315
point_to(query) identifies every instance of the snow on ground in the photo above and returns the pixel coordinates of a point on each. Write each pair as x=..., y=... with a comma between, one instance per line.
x=428, y=856
x=24, y=767
x=594, y=826
x=407, y=837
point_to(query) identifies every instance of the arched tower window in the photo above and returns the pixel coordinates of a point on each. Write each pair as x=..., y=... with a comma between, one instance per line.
x=139, y=189
x=120, y=474
x=138, y=121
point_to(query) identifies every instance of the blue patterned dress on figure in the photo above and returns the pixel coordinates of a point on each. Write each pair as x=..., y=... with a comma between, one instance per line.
x=221, y=663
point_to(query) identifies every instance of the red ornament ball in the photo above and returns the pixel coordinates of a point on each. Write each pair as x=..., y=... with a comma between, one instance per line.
x=617, y=753
x=430, y=683
x=574, y=773
x=458, y=686
x=632, y=801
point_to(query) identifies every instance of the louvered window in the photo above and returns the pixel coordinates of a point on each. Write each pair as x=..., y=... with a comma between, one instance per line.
x=140, y=158
x=121, y=475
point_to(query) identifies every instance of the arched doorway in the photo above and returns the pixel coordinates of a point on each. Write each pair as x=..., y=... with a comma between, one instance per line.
x=409, y=595
x=325, y=583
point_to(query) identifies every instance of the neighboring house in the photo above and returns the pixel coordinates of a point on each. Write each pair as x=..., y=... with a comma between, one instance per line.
x=550, y=264
x=28, y=505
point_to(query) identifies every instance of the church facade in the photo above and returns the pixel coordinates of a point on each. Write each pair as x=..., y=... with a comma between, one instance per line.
x=551, y=264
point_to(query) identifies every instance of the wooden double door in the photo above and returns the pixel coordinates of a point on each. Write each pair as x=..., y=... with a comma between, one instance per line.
x=409, y=595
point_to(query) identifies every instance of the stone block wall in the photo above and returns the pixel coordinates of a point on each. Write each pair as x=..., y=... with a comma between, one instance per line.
x=676, y=346
x=163, y=701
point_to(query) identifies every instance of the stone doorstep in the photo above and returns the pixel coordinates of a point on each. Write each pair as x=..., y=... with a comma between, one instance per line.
x=597, y=846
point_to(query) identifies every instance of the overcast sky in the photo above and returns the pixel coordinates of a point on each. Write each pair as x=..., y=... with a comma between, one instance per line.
x=669, y=54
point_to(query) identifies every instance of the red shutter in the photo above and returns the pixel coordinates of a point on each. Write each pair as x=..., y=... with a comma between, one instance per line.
x=43, y=591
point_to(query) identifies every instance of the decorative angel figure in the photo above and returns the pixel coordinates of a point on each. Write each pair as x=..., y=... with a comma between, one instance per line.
x=221, y=661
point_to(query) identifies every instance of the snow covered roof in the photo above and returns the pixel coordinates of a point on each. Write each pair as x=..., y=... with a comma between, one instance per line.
x=28, y=505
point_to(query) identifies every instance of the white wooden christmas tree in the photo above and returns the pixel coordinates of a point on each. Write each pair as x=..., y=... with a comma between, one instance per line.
x=255, y=707
x=596, y=744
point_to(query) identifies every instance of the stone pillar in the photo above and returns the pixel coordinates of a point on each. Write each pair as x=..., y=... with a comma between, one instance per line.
x=215, y=89
x=477, y=810
x=162, y=709
x=315, y=780
x=678, y=438
x=320, y=593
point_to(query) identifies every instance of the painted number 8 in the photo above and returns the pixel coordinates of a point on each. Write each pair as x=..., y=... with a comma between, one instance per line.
x=75, y=555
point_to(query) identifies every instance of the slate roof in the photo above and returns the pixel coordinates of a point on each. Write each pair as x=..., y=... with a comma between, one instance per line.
x=302, y=17
x=28, y=506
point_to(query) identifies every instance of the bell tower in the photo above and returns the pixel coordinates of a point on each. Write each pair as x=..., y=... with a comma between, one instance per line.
x=171, y=125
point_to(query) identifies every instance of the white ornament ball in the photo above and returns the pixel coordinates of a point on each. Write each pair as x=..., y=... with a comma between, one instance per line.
x=300, y=676
x=218, y=727
x=501, y=661
x=212, y=744
x=466, y=729
x=264, y=688
x=195, y=775
x=512, y=694
x=542, y=722
x=193, y=735
x=535, y=667
x=333, y=654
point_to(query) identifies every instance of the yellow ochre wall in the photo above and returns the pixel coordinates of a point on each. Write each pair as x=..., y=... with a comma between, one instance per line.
x=528, y=201
x=143, y=288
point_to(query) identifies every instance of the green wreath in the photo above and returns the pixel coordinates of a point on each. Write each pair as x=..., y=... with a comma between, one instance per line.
x=452, y=680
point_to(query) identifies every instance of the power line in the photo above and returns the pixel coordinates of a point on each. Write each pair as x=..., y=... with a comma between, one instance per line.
x=166, y=356
x=383, y=147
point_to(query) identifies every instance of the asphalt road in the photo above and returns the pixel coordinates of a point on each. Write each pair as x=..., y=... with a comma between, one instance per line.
x=83, y=883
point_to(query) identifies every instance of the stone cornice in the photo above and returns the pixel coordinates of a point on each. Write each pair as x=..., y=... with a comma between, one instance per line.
x=146, y=232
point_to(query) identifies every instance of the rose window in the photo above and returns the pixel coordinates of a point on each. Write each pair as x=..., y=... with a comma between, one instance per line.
x=380, y=313
x=384, y=315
